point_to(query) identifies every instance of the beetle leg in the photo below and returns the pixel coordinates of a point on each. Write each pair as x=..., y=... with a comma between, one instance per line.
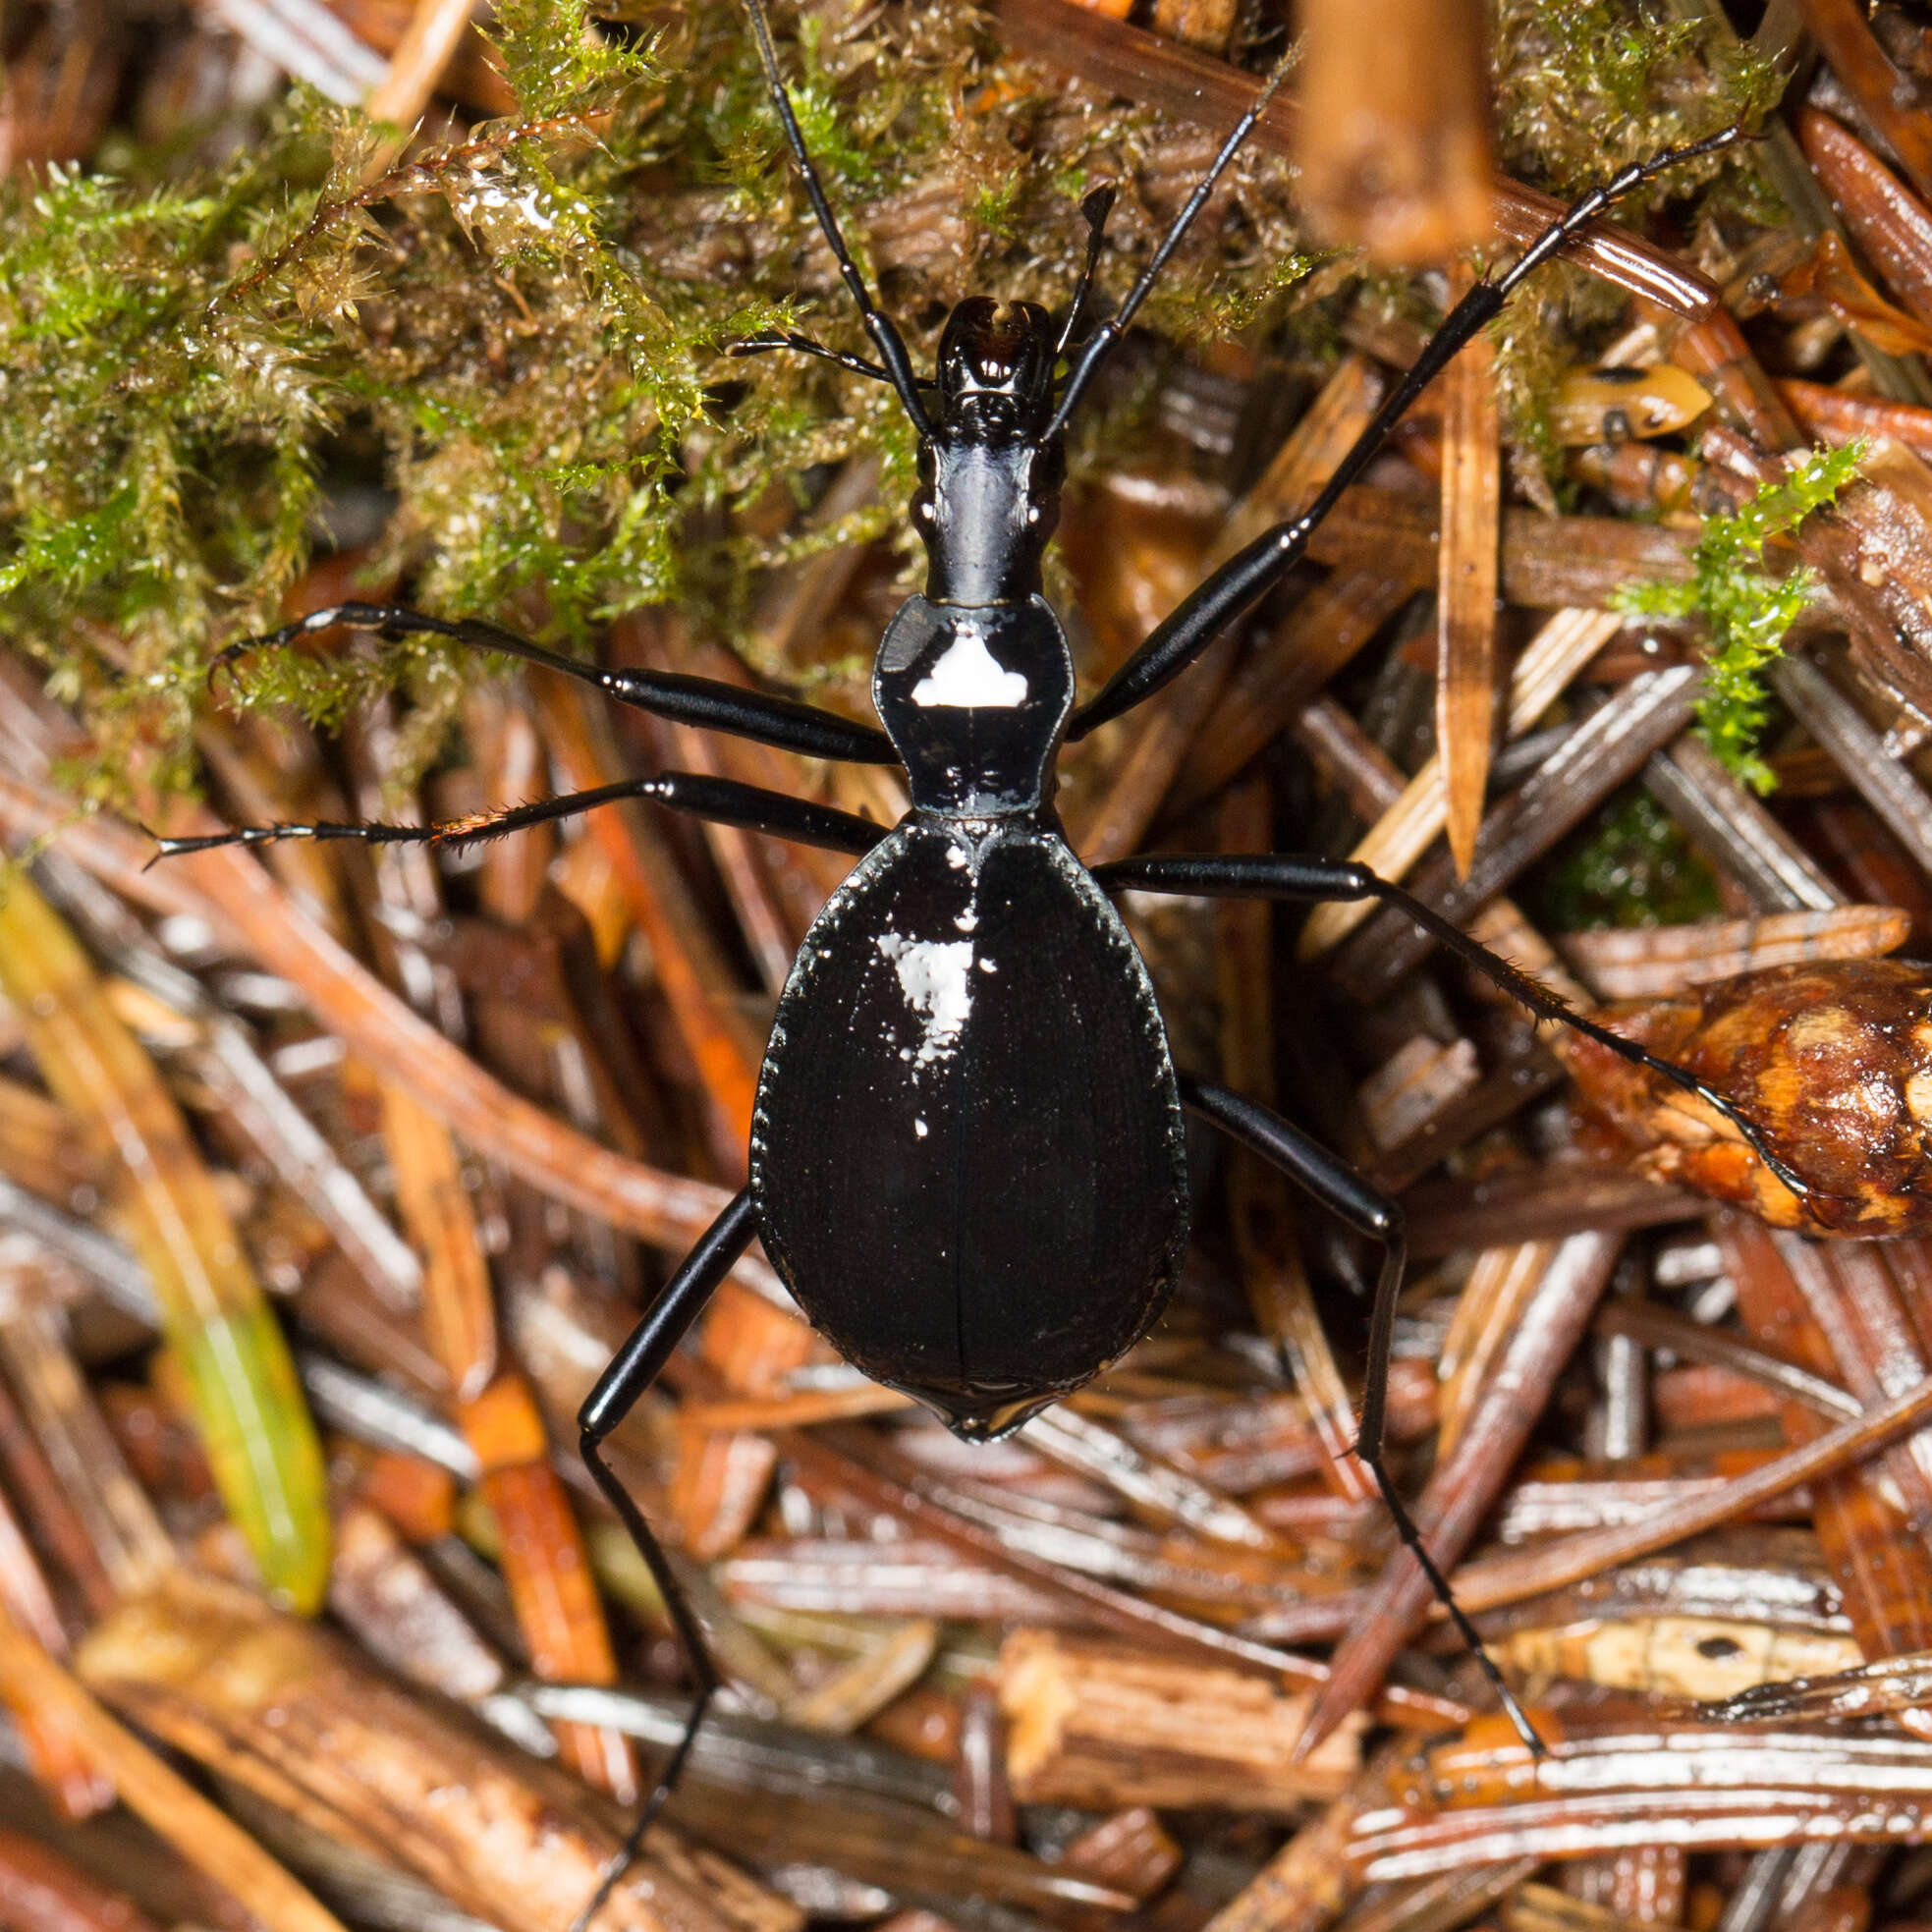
x=768, y=340
x=707, y=703
x=1250, y=574
x=1292, y=875
x=723, y=801
x=631, y=1371
x=1344, y=1191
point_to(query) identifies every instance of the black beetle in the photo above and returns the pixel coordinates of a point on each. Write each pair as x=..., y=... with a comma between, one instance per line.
x=967, y=1159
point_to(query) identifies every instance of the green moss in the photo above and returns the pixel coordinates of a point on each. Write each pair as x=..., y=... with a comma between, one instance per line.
x=1745, y=609
x=524, y=337
x=993, y=206
x=1627, y=864
x=555, y=66
x=1584, y=87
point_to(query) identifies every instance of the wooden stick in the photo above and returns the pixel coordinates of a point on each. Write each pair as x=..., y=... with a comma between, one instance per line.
x=1393, y=126
x=1653, y=963
x=171, y=1805
x=541, y=1552
x=1307, y=1884
x=1111, y=826
x=303, y=1720
x=43, y=1892
x=1470, y=565
x=459, y=1316
x=1101, y=1726
x=1497, y=1581
x=692, y=970
x=1487, y=1313
x=1878, y=87
x=1260, y=1202
x=1834, y=416
x=435, y=28
x=797, y=1410
x=1462, y=1489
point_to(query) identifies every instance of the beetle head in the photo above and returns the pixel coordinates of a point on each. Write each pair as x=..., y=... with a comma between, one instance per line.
x=995, y=372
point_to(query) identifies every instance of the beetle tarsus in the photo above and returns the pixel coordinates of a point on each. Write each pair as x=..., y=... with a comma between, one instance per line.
x=1248, y=577
x=1411, y=1538
x=1344, y=1193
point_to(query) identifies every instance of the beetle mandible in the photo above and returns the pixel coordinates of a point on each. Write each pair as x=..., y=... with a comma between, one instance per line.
x=966, y=1159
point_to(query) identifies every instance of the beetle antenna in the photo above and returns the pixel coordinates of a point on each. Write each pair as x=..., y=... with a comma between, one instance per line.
x=1094, y=211
x=1100, y=344
x=886, y=338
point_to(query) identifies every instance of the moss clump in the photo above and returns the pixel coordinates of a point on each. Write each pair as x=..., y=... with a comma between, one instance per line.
x=524, y=336
x=1583, y=88
x=1586, y=87
x=1745, y=609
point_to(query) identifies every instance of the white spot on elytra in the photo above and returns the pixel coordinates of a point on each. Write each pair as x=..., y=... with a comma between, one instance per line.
x=920, y=1129
x=932, y=974
x=968, y=678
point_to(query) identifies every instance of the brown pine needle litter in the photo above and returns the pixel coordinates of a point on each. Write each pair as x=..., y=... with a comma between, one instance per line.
x=331, y=1175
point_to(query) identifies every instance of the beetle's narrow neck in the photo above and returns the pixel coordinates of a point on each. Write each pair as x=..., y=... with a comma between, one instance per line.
x=985, y=510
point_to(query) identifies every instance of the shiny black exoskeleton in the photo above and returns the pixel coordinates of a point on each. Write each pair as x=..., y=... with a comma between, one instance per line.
x=968, y=1160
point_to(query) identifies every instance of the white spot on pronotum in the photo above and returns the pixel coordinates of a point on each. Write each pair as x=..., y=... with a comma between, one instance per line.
x=968, y=678
x=932, y=974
